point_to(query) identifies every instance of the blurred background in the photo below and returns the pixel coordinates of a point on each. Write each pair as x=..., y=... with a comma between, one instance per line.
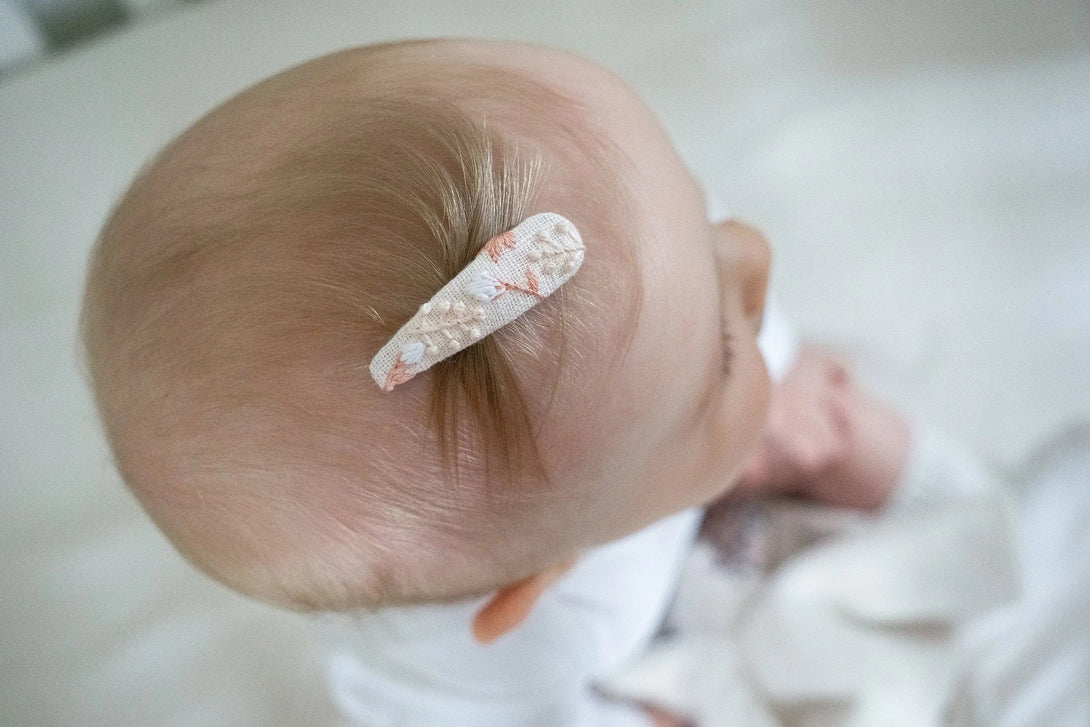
x=920, y=166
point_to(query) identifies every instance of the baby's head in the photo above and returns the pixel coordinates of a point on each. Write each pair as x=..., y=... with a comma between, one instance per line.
x=240, y=289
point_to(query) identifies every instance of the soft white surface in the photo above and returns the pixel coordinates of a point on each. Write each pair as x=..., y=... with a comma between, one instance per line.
x=19, y=38
x=921, y=170
x=1030, y=662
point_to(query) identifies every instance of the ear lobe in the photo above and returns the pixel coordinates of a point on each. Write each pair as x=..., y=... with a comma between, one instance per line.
x=513, y=603
x=749, y=257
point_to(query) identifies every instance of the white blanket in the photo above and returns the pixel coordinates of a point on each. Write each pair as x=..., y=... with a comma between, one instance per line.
x=958, y=606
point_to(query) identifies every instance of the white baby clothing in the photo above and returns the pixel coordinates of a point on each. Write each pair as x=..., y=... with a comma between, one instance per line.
x=419, y=666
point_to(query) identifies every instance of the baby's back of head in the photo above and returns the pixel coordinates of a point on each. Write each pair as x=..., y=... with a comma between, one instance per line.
x=242, y=285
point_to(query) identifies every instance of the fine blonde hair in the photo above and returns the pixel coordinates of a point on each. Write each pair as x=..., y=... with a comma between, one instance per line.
x=237, y=292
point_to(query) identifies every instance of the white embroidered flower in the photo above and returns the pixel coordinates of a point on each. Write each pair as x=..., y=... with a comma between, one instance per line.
x=412, y=353
x=484, y=287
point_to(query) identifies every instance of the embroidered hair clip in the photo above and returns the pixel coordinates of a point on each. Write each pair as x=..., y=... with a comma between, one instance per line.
x=512, y=273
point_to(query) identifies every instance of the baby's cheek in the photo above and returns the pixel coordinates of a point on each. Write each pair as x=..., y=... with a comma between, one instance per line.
x=743, y=417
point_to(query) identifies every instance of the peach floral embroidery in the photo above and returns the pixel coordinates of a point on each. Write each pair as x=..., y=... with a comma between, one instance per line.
x=531, y=283
x=498, y=244
x=411, y=355
x=399, y=374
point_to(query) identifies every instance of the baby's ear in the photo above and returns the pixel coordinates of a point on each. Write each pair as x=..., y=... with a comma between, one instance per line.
x=746, y=253
x=512, y=604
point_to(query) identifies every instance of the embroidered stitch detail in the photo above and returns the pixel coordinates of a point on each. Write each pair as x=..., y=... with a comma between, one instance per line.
x=499, y=243
x=533, y=259
x=485, y=287
x=531, y=284
x=399, y=374
x=446, y=320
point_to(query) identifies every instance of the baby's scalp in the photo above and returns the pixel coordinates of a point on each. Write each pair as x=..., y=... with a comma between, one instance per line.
x=242, y=284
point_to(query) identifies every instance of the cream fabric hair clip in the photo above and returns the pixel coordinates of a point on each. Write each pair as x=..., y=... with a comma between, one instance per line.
x=511, y=274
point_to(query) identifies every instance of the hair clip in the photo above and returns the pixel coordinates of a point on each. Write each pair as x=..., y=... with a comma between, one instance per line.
x=511, y=274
